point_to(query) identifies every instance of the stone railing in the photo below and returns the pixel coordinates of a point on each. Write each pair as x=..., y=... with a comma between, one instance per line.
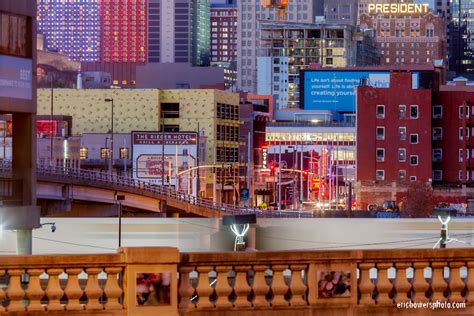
x=355, y=282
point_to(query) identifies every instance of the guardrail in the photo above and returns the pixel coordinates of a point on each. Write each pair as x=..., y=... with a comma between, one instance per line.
x=116, y=182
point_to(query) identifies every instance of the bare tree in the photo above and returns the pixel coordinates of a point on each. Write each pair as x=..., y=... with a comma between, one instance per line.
x=419, y=201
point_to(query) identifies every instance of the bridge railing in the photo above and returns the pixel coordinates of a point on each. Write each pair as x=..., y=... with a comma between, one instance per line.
x=117, y=182
x=332, y=282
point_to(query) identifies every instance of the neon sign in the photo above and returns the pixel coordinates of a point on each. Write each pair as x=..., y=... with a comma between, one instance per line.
x=397, y=8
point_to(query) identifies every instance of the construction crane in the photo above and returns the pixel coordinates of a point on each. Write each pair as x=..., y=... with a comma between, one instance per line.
x=279, y=5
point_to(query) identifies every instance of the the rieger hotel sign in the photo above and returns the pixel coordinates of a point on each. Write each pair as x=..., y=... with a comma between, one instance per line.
x=398, y=8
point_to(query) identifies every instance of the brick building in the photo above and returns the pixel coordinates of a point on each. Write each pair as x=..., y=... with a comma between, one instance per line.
x=407, y=38
x=406, y=135
x=393, y=137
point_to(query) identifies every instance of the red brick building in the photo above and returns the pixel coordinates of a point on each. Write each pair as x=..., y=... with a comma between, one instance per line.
x=393, y=138
x=407, y=39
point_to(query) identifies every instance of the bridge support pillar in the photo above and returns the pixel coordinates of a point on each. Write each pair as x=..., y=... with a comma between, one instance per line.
x=24, y=241
x=251, y=237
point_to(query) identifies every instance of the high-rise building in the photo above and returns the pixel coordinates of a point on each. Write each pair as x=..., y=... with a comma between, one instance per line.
x=71, y=27
x=123, y=31
x=341, y=12
x=286, y=48
x=224, y=39
x=250, y=13
x=460, y=16
x=407, y=38
x=178, y=31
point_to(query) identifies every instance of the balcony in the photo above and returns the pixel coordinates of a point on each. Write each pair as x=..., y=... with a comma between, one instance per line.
x=348, y=282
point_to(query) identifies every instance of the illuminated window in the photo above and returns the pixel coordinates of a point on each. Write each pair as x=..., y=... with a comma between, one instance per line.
x=115, y=82
x=104, y=153
x=124, y=81
x=123, y=153
x=83, y=153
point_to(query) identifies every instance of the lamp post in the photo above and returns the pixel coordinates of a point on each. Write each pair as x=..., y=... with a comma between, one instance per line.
x=111, y=162
x=119, y=198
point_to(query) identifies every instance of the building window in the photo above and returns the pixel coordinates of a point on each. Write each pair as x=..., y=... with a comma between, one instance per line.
x=402, y=132
x=437, y=154
x=437, y=133
x=437, y=111
x=104, y=153
x=413, y=138
x=461, y=132
x=412, y=178
x=83, y=153
x=123, y=153
x=461, y=175
x=402, y=111
x=402, y=154
x=170, y=110
x=115, y=82
x=461, y=155
x=414, y=111
x=329, y=61
x=380, y=154
x=437, y=175
x=380, y=112
x=380, y=175
x=402, y=174
x=380, y=132
x=414, y=160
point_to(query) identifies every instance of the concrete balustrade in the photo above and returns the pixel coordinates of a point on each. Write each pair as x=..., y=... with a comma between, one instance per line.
x=358, y=282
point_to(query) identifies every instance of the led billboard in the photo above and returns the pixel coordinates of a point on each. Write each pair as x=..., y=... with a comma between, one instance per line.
x=335, y=90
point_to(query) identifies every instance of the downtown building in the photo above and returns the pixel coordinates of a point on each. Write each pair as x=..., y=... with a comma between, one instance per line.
x=224, y=40
x=407, y=38
x=250, y=14
x=424, y=135
x=458, y=16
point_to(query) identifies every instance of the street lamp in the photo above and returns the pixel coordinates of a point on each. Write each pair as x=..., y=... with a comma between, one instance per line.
x=111, y=163
x=119, y=198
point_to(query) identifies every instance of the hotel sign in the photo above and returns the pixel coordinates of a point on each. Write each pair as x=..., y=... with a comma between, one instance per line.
x=398, y=8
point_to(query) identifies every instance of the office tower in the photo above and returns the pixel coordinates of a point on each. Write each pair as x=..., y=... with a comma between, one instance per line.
x=461, y=40
x=71, y=27
x=123, y=31
x=224, y=39
x=250, y=13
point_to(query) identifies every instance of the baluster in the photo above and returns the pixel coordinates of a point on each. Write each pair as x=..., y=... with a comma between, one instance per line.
x=438, y=284
x=384, y=286
x=260, y=286
x=279, y=287
x=420, y=286
x=366, y=286
x=93, y=290
x=185, y=289
x=223, y=288
x=54, y=291
x=456, y=284
x=34, y=291
x=470, y=281
x=112, y=289
x=73, y=290
x=204, y=289
x=15, y=292
x=298, y=288
x=2, y=293
x=402, y=285
x=241, y=287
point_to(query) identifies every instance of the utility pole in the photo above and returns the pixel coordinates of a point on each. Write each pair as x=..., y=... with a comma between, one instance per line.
x=301, y=175
x=51, y=124
x=249, y=161
x=279, y=177
x=198, y=183
x=125, y=152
